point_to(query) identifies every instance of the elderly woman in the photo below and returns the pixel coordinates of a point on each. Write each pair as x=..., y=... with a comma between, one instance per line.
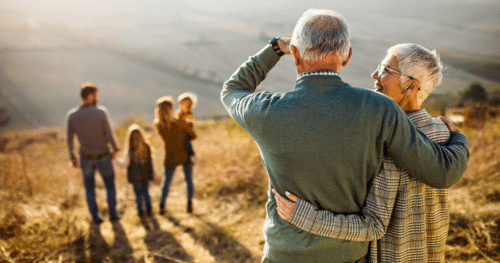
x=407, y=219
x=174, y=133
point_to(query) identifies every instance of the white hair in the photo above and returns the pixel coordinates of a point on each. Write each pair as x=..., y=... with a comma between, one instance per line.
x=420, y=63
x=321, y=32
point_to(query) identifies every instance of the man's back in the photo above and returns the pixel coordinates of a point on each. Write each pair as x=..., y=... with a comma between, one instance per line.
x=322, y=141
x=90, y=124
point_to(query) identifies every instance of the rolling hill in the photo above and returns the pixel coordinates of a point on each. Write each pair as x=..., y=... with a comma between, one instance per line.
x=138, y=52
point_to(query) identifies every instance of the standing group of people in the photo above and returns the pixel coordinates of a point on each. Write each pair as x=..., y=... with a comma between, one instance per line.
x=89, y=122
x=368, y=169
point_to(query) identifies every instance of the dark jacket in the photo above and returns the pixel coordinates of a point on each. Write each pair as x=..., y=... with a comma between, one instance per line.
x=138, y=173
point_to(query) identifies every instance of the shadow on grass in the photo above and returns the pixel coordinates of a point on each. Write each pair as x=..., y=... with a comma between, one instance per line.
x=121, y=251
x=222, y=246
x=97, y=246
x=162, y=246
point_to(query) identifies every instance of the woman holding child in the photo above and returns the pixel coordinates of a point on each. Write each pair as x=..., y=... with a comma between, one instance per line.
x=174, y=133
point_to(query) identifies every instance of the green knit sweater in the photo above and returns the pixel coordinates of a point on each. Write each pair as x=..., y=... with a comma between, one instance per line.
x=324, y=141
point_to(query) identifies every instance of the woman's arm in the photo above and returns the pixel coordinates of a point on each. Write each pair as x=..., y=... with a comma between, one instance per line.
x=370, y=225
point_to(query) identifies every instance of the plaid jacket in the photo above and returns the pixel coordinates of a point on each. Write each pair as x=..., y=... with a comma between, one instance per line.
x=407, y=219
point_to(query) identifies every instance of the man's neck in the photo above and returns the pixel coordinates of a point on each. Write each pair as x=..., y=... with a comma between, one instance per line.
x=307, y=66
x=87, y=104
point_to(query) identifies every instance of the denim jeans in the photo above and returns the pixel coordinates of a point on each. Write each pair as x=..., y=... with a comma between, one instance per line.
x=142, y=198
x=167, y=179
x=105, y=168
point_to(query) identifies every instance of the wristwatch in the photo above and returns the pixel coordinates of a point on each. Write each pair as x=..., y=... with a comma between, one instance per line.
x=276, y=47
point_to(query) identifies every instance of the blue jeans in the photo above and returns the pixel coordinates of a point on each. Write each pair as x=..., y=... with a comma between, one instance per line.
x=167, y=179
x=142, y=198
x=105, y=168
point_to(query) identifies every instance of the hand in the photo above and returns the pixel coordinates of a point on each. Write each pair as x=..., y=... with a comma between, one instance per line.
x=284, y=45
x=283, y=205
x=115, y=153
x=450, y=125
x=73, y=163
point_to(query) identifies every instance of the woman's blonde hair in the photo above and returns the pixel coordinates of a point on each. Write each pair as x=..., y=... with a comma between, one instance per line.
x=137, y=154
x=163, y=118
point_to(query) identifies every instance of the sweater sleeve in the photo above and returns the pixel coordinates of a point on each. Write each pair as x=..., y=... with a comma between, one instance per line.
x=238, y=92
x=108, y=133
x=70, y=135
x=370, y=225
x=437, y=166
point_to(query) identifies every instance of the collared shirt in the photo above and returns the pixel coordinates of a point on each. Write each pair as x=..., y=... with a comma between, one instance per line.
x=409, y=218
x=325, y=141
x=317, y=73
x=90, y=123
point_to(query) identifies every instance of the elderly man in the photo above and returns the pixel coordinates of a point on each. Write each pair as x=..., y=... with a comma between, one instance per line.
x=90, y=123
x=324, y=140
x=409, y=218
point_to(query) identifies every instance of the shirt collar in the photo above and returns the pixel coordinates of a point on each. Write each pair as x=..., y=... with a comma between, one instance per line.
x=317, y=73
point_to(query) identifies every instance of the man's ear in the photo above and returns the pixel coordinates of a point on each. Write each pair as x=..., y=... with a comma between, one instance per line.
x=345, y=62
x=296, y=54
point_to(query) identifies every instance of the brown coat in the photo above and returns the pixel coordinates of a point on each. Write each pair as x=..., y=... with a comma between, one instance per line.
x=173, y=139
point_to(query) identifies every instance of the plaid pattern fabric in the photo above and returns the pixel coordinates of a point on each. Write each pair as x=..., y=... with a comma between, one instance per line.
x=317, y=73
x=408, y=219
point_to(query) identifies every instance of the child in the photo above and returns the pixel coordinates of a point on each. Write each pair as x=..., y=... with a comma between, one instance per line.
x=187, y=101
x=139, y=167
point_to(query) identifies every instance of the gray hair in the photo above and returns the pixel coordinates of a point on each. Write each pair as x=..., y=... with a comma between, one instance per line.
x=321, y=32
x=420, y=63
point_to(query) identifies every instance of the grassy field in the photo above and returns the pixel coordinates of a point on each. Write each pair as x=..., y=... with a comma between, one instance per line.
x=44, y=218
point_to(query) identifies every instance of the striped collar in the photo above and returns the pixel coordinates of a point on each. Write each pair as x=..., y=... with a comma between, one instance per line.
x=317, y=73
x=419, y=116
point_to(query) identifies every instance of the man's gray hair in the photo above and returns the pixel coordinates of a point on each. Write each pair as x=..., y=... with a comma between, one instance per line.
x=321, y=32
x=420, y=63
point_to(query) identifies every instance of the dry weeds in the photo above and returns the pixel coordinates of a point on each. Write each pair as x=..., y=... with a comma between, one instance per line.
x=44, y=218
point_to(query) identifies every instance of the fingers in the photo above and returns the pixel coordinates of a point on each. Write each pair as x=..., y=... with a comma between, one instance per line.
x=450, y=125
x=284, y=44
x=283, y=206
x=291, y=196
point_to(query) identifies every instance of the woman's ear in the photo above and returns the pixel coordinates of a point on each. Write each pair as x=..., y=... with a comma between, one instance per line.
x=414, y=86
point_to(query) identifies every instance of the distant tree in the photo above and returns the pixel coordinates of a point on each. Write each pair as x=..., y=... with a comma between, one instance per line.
x=475, y=93
x=4, y=120
x=495, y=98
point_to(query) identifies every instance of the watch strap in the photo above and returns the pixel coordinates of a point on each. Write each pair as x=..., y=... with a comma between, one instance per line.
x=276, y=47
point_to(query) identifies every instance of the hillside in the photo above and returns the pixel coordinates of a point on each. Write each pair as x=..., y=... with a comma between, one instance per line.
x=44, y=218
x=136, y=52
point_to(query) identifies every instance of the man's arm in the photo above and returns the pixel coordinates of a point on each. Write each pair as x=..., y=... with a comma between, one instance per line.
x=238, y=92
x=437, y=166
x=108, y=133
x=70, y=135
x=370, y=225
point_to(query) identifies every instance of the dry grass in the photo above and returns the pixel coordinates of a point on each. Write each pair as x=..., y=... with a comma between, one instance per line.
x=44, y=218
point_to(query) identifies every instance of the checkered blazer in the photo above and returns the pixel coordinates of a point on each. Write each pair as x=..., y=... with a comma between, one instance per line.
x=407, y=220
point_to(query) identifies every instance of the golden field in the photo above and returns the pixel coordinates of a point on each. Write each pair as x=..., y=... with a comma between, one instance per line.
x=44, y=217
